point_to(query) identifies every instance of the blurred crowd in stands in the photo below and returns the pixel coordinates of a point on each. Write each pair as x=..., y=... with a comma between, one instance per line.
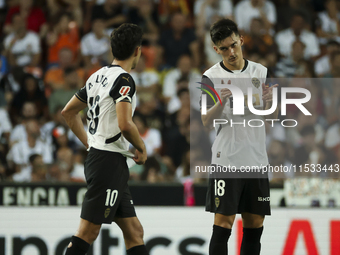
x=48, y=48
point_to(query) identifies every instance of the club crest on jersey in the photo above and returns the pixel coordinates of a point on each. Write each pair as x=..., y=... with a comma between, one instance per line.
x=256, y=82
x=218, y=154
x=124, y=90
x=107, y=212
x=217, y=202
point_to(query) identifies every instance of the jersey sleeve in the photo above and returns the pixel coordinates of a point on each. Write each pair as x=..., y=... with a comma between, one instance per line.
x=82, y=94
x=206, y=85
x=123, y=88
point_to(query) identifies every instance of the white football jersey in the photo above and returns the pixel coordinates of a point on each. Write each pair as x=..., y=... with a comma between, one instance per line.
x=238, y=145
x=102, y=91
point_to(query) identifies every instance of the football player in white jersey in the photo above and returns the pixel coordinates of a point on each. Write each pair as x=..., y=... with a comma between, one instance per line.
x=110, y=95
x=236, y=146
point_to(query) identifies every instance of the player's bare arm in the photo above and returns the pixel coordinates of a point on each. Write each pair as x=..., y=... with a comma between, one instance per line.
x=130, y=131
x=73, y=119
x=267, y=97
x=216, y=111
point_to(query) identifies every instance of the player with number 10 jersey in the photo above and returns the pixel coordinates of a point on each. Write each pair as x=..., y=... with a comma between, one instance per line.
x=110, y=95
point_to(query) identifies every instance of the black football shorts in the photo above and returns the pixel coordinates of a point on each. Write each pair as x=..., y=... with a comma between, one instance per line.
x=237, y=195
x=108, y=194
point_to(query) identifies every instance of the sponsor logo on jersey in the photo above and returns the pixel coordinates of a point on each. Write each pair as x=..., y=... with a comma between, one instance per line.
x=126, y=78
x=107, y=212
x=217, y=202
x=263, y=199
x=256, y=82
x=124, y=90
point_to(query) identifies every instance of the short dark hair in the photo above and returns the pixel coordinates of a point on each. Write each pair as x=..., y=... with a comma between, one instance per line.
x=300, y=13
x=222, y=29
x=181, y=91
x=333, y=43
x=33, y=157
x=125, y=39
x=69, y=70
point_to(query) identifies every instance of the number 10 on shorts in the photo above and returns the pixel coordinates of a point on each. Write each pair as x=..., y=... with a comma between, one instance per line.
x=111, y=197
x=219, y=187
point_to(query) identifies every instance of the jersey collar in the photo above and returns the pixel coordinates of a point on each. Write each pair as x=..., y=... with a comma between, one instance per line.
x=228, y=70
x=113, y=66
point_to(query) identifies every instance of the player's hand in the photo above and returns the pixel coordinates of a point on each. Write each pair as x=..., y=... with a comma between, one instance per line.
x=140, y=157
x=267, y=93
x=225, y=93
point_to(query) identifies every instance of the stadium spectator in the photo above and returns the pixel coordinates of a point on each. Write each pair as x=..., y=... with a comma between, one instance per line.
x=277, y=157
x=47, y=127
x=56, y=173
x=95, y=46
x=65, y=34
x=39, y=168
x=3, y=166
x=287, y=9
x=335, y=65
x=77, y=172
x=145, y=15
x=33, y=16
x=70, y=169
x=323, y=65
x=182, y=98
x=11, y=83
x=111, y=12
x=183, y=170
x=176, y=135
x=178, y=41
x=3, y=62
x=183, y=71
x=328, y=23
x=246, y=10
x=146, y=79
x=4, y=68
x=151, y=136
x=63, y=95
x=149, y=108
x=21, y=151
x=59, y=139
x=65, y=159
x=59, y=7
x=307, y=145
x=18, y=134
x=206, y=12
x=258, y=39
x=30, y=92
x=22, y=46
x=167, y=8
x=199, y=139
x=332, y=138
x=288, y=66
x=54, y=77
x=297, y=31
x=5, y=131
x=152, y=174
